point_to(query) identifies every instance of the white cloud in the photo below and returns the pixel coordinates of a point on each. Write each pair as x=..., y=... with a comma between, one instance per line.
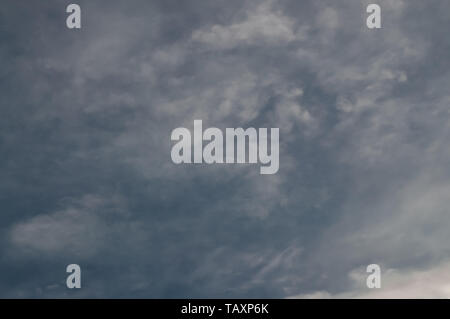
x=433, y=282
x=263, y=25
x=81, y=228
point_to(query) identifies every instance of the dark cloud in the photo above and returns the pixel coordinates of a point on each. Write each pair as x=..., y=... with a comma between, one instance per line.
x=86, y=175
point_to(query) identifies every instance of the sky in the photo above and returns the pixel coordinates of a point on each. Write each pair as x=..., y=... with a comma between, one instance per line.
x=86, y=175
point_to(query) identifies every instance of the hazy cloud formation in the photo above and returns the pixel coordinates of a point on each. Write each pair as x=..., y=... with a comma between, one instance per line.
x=86, y=175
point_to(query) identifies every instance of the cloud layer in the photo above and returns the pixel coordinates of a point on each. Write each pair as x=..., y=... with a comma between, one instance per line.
x=86, y=175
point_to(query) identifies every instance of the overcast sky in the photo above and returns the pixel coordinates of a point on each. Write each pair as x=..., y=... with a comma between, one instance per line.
x=86, y=175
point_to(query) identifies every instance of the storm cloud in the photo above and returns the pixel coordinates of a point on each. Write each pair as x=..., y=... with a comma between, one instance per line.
x=86, y=175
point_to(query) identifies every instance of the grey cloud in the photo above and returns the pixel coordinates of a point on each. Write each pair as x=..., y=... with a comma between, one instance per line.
x=85, y=133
